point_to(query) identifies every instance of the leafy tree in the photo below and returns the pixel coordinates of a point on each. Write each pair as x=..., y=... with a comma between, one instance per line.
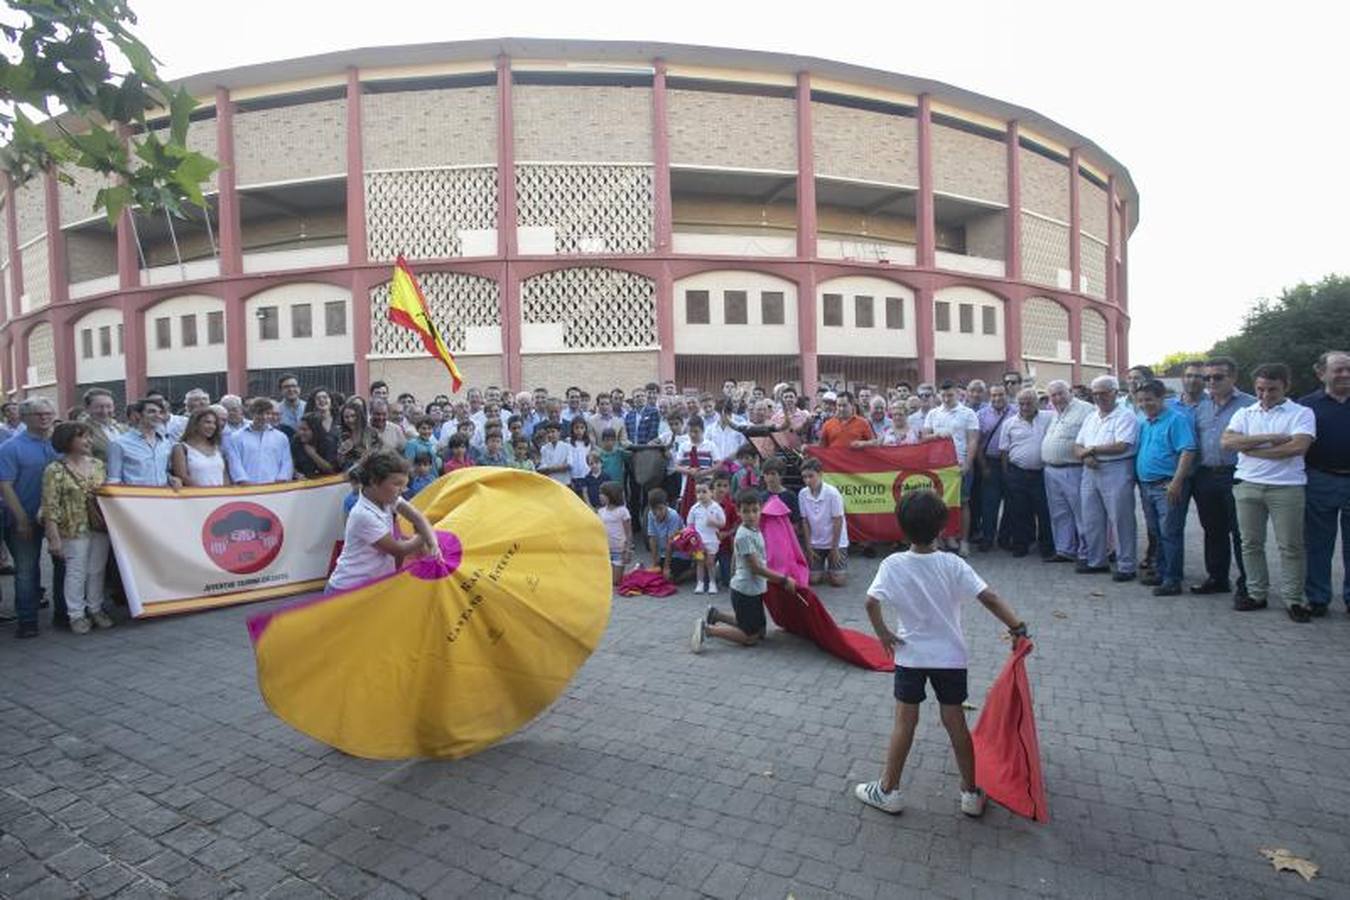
x=1171, y=364
x=77, y=63
x=1296, y=328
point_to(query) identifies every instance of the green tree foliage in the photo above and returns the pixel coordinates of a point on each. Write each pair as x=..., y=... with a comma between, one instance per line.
x=76, y=64
x=1296, y=328
x=1172, y=363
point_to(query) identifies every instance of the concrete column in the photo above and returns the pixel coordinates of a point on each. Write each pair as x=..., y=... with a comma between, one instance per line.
x=1075, y=227
x=1076, y=339
x=806, y=330
x=662, y=205
x=926, y=223
x=806, y=171
x=1012, y=330
x=15, y=261
x=507, y=246
x=133, y=346
x=925, y=338
x=1013, y=224
x=356, y=177
x=227, y=203
x=665, y=322
x=236, y=338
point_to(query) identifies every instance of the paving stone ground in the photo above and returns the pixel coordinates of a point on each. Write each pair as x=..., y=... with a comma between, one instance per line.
x=1178, y=738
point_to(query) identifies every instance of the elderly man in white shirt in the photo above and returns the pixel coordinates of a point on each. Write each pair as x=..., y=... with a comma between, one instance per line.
x=1064, y=472
x=1106, y=447
x=1271, y=437
x=1021, y=438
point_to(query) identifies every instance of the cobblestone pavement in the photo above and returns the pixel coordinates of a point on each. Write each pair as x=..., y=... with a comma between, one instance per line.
x=1178, y=738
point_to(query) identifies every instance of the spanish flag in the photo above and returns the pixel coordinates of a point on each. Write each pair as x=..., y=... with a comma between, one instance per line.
x=408, y=308
x=873, y=479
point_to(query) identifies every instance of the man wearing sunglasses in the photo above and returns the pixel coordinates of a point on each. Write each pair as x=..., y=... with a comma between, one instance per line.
x=1214, y=478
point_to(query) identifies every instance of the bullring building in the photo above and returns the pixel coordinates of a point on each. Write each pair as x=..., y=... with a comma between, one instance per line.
x=598, y=213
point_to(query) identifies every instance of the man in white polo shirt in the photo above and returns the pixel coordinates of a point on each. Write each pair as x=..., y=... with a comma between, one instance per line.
x=822, y=508
x=1106, y=446
x=1064, y=473
x=1270, y=437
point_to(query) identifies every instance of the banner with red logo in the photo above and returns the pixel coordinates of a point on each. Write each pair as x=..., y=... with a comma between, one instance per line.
x=873, y=479
x=197, y=548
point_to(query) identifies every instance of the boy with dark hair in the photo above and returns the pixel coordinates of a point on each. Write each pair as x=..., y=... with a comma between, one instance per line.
x=749, y=583
x=663, y=524
x=922, y=590
x=771, y=485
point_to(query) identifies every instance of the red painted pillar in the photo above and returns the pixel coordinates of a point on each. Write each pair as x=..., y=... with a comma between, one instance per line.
x=662, y=205
x=924, y=336
x=926, y=223
x=58, y=293
x=1075, y=228
x=133, y=345
x=15, y=261
x=227, y=204
x=236, y=337
x=1111, y=234
x=64, y=349
x=128, y=257
x=357, y=249
x=506, y=225
x=1112, y=350
x=1076, y=338
x=1123, y=283
x=1012, y=329
x=806, y=330
x=1013, y=221
x=806, y=172
x=665, y=323
x=20, y=360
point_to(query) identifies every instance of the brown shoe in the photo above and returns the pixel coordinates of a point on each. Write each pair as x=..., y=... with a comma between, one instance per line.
x=1247, y=604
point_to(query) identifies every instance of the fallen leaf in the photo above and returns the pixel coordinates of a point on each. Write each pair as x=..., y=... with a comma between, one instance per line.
x=1060, y=614
x=767, y=773
x=968, y=705
x=1096, y=594
x=1005, y=637
x=1285, y=861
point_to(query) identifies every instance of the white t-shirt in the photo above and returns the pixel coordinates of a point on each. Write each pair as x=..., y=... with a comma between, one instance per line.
x=922, y=593
x=706, y=520
x=953, y=423
x=820, y=513
x=361, y=560
x=1287, y=418
x=1120, y=427
x=613, y=517
x=557, y=454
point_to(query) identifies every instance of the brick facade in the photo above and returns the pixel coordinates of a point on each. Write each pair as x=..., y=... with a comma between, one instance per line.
x=1092, y=208
x=1045, y=326
x=592, y=371
x=1093, y=328
x=582, y=123
x=987, y=236
x=77, y=200
x=90, y=255
x=30, y=208
x=1045, y=250
x=733, y=130
x=35, y=268
x=866, y=145
x=420, y=129
x=969, y=165
x=1045, y=185
x=424, y=377
x=290, y=142
x=1092, y=259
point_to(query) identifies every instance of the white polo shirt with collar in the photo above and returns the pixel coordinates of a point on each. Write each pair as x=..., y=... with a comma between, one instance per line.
x=1286, y=418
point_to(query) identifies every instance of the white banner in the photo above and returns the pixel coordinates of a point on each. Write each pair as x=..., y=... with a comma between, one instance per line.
x=203, y=547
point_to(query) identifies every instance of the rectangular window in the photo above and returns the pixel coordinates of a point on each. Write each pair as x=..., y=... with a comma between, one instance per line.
x=302, y=322
x=215, y=327
x=895, y=312
x=967, y=313
x=105, y=341
x=989, y=319
x=696, y=307
x=119, y=338
x=87, y=343
x=188, y=328
x=267, y=323
x=335, y=318
x=734, y=308
x=162, y=333
x=833, y=311
x=771, y=307
x=942, y=316
x=863, y=312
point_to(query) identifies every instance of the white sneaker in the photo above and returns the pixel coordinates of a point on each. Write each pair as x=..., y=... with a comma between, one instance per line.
x=80, y=625
x=102, y=620
x=712, y=588
x=699, y=635
x=699, y=588
x=872, y=794
x=972, y=802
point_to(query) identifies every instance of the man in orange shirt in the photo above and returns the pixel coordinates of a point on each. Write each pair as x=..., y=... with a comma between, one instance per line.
x=847, y=428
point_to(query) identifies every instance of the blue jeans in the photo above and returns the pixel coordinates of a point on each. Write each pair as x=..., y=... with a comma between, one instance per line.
x=992, y=493
x=1168, y=522
x=1029, y=510
x=27, y=556
x=1327, y=504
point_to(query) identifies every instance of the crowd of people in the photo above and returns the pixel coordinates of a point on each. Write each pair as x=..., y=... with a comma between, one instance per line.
x=1053, y=470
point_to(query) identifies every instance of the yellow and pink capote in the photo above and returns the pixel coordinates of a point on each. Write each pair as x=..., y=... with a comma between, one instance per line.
x=446, y=657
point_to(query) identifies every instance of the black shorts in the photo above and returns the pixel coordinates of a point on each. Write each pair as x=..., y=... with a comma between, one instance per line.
x=948, y=684
x=749, y=610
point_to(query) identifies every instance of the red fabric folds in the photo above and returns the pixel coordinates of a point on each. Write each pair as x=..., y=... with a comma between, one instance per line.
x=1007, y=752
x=804, y=615
x=645, y=581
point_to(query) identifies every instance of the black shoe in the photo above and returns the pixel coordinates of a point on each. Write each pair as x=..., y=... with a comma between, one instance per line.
x=1111, y=557
x=711, y=616
x=1317, y=610
x=1247, y=604
x=1085, y=569
x=1240, y=595
x=26, y=630
x=1150, y=581
x=1299, y=613
x=1167, y=590
x=1060, y=558
x=1019, y=553
x=1210, y=586
x=984, y=546
x=1123, y=576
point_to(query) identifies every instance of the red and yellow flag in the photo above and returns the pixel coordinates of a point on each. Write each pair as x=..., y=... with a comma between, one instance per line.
x=408, y=309
x=873, y=479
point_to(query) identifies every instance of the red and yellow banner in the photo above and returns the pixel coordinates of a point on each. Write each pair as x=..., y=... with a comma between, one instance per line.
x=408, y=309
x=873, y=479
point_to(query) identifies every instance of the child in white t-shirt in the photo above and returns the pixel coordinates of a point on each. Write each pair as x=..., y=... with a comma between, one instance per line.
x=618, y=524
x=706, y=517
x=371, y=548
x=922, y=591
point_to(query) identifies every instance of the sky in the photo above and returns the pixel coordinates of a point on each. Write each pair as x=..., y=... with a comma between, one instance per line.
x=1231, y=117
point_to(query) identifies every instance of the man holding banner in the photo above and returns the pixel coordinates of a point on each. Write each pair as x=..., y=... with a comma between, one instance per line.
x=958, y=422
x=822, y=508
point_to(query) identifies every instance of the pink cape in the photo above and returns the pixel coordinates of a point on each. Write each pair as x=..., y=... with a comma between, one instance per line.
x=804, y=615
x=645, y=581
x=1007, y=752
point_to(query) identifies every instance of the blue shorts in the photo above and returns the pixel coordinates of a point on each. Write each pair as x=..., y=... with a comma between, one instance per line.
x=948, y=684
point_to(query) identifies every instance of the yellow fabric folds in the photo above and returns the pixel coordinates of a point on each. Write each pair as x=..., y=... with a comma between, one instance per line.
x=415, y=665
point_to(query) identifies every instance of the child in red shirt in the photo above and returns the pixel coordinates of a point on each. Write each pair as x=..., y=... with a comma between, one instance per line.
x=727, y=533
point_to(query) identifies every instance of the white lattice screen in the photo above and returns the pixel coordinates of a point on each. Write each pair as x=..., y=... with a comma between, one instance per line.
x=1045, y=325
x=1093, y=260
x=1094, y=336
x=597, y=309
x=36, y=290
x=420, y=213
x=592, y=208
x=457, y=302
x=41, y=354
x=1045, y=251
